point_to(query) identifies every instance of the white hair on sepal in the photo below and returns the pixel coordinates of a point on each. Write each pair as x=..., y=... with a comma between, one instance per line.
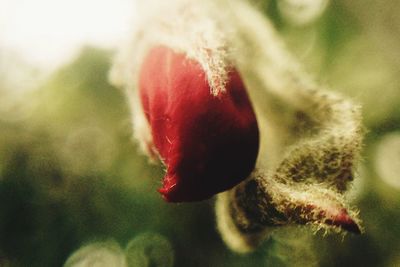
x=196, y=30
x=184, y=26
x=122, y=75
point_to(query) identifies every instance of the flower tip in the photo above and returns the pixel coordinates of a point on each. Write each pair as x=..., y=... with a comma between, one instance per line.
x=352, y=227
x=344, y=221
x=167, y=190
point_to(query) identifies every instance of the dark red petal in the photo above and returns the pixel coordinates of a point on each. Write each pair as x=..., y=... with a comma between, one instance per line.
x=208, y=143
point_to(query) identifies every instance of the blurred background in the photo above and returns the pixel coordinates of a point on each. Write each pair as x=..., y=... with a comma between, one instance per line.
x=70, y=174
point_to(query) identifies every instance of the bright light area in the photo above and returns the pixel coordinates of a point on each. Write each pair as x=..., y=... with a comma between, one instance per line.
x=47, y=33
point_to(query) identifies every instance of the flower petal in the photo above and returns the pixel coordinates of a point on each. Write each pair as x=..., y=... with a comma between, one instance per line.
x=209, y=143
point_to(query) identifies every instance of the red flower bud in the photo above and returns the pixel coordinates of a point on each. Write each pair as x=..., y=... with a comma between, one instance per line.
x=209, y=143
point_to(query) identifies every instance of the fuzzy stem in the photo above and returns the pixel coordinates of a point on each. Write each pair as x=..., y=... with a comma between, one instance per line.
x=317, y=150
